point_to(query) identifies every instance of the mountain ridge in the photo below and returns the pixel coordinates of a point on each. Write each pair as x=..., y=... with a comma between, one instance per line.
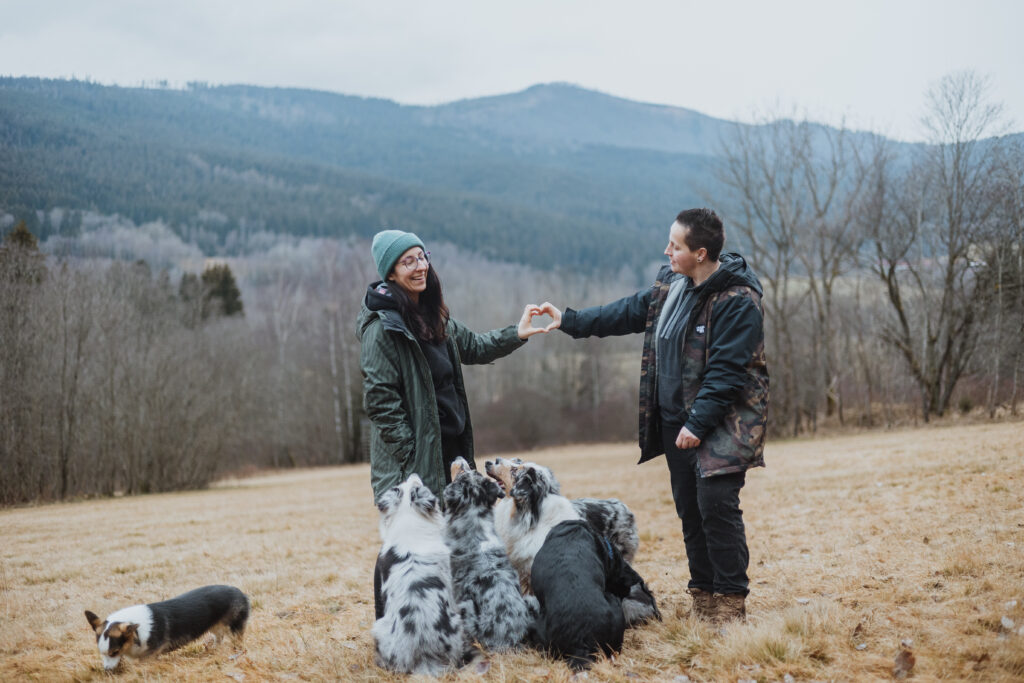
x=516, y=174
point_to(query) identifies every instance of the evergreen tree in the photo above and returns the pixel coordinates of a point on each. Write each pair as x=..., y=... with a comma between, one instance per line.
x=220, y=292
x=22, y=237
x=20, y=258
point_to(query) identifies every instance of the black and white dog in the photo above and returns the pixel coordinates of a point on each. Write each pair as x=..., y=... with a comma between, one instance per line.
x=524, y=519
x=580, y=580
x=493, y=611
x=145, y=630
x=609, y=517
x=418, y=628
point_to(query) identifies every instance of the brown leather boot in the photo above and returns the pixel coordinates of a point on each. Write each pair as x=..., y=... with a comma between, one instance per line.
x=703, y=604
x=728, y=608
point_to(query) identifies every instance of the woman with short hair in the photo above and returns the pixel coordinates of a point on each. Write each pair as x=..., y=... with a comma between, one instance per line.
x=703, y=396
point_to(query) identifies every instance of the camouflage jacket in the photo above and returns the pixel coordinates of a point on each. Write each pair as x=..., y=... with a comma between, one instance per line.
x=725, y=375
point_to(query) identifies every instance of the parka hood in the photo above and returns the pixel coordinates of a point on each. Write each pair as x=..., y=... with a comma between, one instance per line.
x=734, y=271
x=378, y=297
x=378, y=303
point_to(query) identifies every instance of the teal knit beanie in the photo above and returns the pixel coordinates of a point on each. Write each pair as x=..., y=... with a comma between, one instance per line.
x=388, y=245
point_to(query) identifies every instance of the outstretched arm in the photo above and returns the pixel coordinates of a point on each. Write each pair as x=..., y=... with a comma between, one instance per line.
x=479, y=348
x=625, y=316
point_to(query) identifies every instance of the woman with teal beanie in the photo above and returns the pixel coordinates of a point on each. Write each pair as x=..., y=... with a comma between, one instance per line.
x=411, y=355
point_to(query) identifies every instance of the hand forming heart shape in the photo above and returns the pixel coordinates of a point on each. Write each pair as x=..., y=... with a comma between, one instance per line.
x=526, y=327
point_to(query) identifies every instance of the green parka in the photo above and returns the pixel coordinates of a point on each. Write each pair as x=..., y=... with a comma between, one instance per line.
x=398, y=392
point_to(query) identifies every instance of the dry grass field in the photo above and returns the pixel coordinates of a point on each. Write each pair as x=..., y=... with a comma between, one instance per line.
x=857, y=543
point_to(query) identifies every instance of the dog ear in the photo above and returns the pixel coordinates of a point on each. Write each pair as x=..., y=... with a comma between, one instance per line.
x=493, y=491
x=524, y=481
x=388, y=499
x=130, y=633
x=548, y=477
x=451, y=496
x=423, y=500
x=94, y=621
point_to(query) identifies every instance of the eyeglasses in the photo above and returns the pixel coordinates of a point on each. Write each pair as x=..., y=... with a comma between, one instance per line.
x=411, y=262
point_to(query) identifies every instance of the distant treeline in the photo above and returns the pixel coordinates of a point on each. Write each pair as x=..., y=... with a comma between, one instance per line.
x=118, y=378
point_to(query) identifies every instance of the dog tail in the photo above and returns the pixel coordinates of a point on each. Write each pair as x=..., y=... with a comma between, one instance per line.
x=579, y=662
x=639, y=606
x=532, y=606
x=470, y=654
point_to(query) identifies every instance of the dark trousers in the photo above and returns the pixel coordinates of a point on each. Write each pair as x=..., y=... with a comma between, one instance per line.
x=716, y=542
x=451, y=448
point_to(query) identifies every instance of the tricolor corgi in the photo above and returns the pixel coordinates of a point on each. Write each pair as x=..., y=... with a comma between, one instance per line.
x=145, y=630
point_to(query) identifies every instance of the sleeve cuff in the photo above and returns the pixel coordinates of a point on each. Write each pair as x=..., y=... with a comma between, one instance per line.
x=695, y=427
x=568, y=324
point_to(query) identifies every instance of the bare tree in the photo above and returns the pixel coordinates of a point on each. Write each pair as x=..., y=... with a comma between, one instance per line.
x=73, y=327
x=340, y=277
x=22, y=361
x=793, y=189
x=925, y=223
x=1002, y=275
x=285, y=305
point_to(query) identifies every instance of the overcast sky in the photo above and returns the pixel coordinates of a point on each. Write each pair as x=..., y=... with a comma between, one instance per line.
x=869, y=61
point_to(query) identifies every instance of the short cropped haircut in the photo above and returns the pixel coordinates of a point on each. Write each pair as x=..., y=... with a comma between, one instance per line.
x=703, y=229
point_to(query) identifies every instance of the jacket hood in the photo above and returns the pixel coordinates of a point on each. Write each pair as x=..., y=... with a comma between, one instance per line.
x=376, y=304
x=734, y=271
x=378, y=297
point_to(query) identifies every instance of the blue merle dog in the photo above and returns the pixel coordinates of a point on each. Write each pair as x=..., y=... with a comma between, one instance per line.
x=493, y=611
x=418, y=628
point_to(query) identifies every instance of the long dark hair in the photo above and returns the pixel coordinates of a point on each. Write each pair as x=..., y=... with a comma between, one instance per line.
x=427, y=320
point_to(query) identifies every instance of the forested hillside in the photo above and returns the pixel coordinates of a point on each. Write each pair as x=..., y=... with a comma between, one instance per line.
x=553, y=176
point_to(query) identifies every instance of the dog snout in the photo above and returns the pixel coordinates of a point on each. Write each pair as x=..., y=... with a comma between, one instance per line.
x=459, y=465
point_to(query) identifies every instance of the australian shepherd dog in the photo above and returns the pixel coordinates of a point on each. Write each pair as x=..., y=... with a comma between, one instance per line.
x=418, y=628
x=493, y=611
x=609, y=518
x=524, y=517
x=145, y=630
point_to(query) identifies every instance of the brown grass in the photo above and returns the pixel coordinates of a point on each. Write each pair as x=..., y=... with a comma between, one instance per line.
x=856, y=542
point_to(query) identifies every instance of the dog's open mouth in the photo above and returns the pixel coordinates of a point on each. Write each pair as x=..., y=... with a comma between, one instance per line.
x=491, y=471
